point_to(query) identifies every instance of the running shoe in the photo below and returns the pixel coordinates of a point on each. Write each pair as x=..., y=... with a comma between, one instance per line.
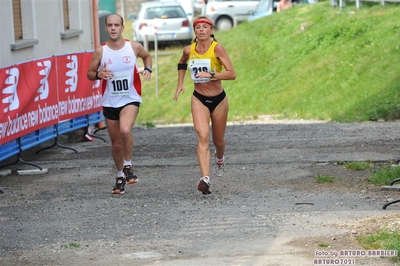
x=219, y=166
x=119, y=187
x=129, y=175
x=204, y=185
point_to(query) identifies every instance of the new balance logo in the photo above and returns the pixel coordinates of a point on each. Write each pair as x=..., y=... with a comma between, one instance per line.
x=72, y=73
x=43, y=91
x=10, y=90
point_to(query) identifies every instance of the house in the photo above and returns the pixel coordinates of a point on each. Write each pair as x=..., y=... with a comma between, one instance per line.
x=39, y=28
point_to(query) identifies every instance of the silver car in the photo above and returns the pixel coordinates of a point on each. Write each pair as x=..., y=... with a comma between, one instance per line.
x=198, y=6
x=167, y=21
x=226, y=13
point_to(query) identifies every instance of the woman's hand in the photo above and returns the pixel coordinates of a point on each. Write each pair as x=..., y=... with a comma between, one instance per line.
x=178, y=90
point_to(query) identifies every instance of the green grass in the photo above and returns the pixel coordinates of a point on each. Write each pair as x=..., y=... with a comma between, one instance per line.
x=323, y=245
x=383, y=240
x=72, y=245
x=309, y=62
x=385, y=175
x=358, y=166
x=324, y=179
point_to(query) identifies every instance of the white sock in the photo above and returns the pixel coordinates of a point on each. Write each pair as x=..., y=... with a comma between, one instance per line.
x=120, y=174
x=128, y=163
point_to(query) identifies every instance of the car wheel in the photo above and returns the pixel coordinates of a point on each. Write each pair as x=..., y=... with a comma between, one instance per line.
x=224, y=23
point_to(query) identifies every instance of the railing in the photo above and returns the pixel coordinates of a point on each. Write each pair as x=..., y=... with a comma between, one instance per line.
x=342, y=3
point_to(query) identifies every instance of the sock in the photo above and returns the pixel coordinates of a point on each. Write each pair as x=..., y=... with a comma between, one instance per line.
x=120, y=174
x=220, y=161
x=127, y=163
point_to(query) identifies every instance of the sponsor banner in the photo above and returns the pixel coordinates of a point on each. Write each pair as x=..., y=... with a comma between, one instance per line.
x=77, y=95
x=43, y=92
x=28, y=98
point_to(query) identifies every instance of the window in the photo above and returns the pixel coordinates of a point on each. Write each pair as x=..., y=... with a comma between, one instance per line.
x=71, y=19
x=24, y=30
x=16, y=4
x=66, y=14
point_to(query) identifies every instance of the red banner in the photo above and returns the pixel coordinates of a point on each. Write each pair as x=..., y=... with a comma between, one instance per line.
x=28, y=98
x=76, y=94
x=43, y=92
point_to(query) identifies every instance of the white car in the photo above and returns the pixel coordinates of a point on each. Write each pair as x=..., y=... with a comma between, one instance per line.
x=226, y=12
x=167, y=21
x=188, y=6
x=198, y=6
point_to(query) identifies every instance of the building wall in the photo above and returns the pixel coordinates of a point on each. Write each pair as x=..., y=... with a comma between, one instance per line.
x=43, y=29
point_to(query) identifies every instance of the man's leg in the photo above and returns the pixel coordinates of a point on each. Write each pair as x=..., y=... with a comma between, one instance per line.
x=127, y=120
x=117, y=154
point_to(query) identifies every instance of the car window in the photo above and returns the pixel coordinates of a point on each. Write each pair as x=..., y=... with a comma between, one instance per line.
x=164, y=12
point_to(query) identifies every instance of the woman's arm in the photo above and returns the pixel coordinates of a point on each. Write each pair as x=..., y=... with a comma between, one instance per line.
x=222, y=55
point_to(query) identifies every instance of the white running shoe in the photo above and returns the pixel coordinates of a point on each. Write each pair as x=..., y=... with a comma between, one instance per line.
x=204, y=185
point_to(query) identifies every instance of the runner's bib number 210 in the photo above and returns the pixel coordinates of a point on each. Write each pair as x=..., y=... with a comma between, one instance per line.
x=199, y=65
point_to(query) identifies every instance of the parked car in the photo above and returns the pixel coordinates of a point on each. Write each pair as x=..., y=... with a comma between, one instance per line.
x=188, y=6
x=267, y=7
x=264, y=8
x=198, y=6
x=168, y=19
x=226, y=12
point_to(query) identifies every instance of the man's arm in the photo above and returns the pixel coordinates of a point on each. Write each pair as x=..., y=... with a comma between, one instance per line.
x=94, y=65
x=142, y=53
x=145, y=56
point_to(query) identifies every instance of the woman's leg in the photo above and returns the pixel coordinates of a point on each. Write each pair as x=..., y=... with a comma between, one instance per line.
x=219, y=119
x=201, y=122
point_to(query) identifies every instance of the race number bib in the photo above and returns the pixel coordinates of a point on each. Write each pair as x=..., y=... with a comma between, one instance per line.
x=199, y=65
x=119, y=84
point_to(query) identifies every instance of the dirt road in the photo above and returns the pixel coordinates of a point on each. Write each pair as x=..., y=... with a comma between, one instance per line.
x=266, y=210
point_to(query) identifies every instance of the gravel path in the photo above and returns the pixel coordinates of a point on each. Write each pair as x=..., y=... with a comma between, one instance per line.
x=266, y=210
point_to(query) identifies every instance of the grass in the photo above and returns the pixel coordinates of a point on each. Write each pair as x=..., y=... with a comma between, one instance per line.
x=72, y=245
x=383, y=240
x=385, y=175
x=324, y=179
x=309, y=62
x=358, y=166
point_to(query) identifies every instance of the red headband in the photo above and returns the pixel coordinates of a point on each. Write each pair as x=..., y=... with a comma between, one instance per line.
x=202, y=20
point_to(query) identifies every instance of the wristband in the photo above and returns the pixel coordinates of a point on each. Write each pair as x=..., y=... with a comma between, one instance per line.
x=97, y=75
x=148, y=69
x=182, y=66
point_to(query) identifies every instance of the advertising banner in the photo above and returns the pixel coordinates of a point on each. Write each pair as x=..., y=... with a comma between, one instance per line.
x=76, y=94
x=44, y=92
x=28, y=93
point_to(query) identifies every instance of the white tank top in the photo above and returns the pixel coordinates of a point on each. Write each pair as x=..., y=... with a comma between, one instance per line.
x=125, y=86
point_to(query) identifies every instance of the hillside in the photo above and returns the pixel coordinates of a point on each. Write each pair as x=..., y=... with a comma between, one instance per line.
x=309, y=62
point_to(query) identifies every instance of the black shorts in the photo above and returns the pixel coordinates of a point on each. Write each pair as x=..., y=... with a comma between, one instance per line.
x=113, y=113
x=210, y=102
